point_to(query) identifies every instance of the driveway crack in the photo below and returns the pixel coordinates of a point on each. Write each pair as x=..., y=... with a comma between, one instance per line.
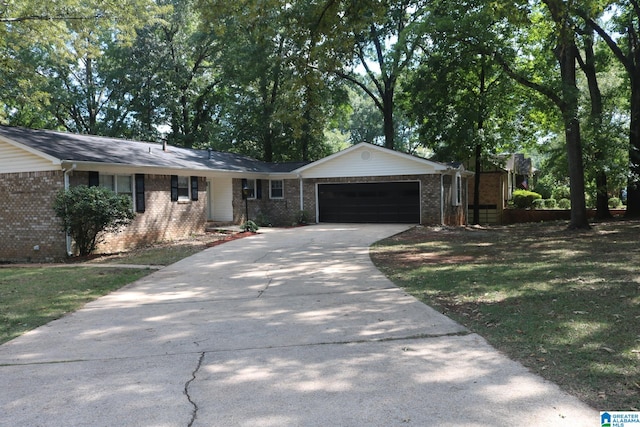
x=260, y=292
x=194, y=412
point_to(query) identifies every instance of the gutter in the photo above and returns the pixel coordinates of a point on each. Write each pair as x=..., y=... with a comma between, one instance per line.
x=66, y=187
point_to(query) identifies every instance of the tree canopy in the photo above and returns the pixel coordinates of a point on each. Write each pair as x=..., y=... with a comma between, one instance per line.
x=293, y=80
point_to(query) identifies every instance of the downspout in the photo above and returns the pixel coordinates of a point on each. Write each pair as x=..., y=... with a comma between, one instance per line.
x=66, y=187
x=301, y=193
x=441, y=199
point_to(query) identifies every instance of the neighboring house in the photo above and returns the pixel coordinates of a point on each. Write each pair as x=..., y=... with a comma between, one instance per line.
x=177, y=191
x=497, y=182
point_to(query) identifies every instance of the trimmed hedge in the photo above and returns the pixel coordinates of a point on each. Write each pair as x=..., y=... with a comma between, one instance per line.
x=523, y=199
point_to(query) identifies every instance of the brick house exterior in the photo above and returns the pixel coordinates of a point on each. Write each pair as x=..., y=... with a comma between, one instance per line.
x=177, y=191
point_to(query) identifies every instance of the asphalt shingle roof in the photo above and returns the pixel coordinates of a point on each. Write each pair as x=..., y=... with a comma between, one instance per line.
x=89, y=148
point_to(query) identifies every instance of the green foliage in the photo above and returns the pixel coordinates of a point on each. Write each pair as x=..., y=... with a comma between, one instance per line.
x=544, y=204
x=538, y=204
x=249, y=226
x=89, y=212
x=563, y=192
x=564, y=204
x=302, y=217
x=523, y=199
x=262, y=220
x=615, y=203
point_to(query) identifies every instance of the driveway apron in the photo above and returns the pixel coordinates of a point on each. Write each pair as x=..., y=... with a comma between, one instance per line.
x=290, y=327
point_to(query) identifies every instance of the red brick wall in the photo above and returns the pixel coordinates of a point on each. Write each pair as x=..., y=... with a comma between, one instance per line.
x=276, y=212
x=490, y=189
x=163, y=220
x=29, y=229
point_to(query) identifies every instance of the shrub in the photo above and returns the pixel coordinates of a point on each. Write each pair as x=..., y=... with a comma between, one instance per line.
x=523, y=199
x=538, y=204
x=563, y=192
x=550, y=203
x=89, y=212
x=249, y=226
x=262, y=220
x=564, y=204
x=615, y=203
x=302, y=217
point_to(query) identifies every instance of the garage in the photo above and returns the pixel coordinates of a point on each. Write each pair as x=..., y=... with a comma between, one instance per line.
x=371, y=202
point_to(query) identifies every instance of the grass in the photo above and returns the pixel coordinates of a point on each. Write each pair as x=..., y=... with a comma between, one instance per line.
x=565, y=304
x=35, y=295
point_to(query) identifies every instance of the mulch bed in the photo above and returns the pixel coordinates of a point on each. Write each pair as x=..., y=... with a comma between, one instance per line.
x=230, y=237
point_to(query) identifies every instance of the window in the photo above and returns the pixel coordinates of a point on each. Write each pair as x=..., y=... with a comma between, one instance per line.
x=456, y=190
x=184, y=188
x=119, y=184
x=276, y=189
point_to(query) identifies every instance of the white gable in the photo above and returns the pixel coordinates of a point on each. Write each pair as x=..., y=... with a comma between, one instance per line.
x=14, y=159
x=369, y=160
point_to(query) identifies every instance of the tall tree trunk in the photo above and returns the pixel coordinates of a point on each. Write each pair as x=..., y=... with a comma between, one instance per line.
x=566, y=52
x=633, y=184
x=478, y=165
x=387, y=113
x=589, y=68
x=476, y=186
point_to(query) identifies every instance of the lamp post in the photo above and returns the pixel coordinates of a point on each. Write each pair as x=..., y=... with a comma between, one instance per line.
x=245, y=193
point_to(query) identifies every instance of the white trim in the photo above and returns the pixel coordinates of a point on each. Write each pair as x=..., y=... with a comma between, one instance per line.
x=271, y=197
x=435, y=165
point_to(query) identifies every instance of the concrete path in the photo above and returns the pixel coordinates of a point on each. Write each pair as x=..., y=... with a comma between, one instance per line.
x=290, y=327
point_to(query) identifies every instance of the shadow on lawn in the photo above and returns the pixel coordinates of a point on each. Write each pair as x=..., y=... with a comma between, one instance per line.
x=563, y=303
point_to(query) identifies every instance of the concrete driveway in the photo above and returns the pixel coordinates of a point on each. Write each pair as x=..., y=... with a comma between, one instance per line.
x=290, y=327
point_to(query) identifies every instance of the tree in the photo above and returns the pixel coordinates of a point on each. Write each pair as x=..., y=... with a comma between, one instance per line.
x=62, y=44
x=376, y=44
x=89, y=212
x=626, y=22
x=563, y=92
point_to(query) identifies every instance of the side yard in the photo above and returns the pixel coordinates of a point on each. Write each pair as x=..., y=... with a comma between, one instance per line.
x=565, y=304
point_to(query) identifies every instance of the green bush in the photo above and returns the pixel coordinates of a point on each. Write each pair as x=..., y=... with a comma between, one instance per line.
x=550, y=203
x=563, y=192
x=615, y=203
x=523, y=199
x=262, y=220
x=302, y=217
x=89, y=212
x=538, y=204
x=249, y=226
x=564, y=204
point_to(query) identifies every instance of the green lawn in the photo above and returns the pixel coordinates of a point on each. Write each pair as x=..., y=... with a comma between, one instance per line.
x=33, y=296
x=565, y=304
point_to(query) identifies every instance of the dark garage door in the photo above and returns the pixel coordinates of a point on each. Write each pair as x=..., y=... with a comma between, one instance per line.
x=387, y=202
